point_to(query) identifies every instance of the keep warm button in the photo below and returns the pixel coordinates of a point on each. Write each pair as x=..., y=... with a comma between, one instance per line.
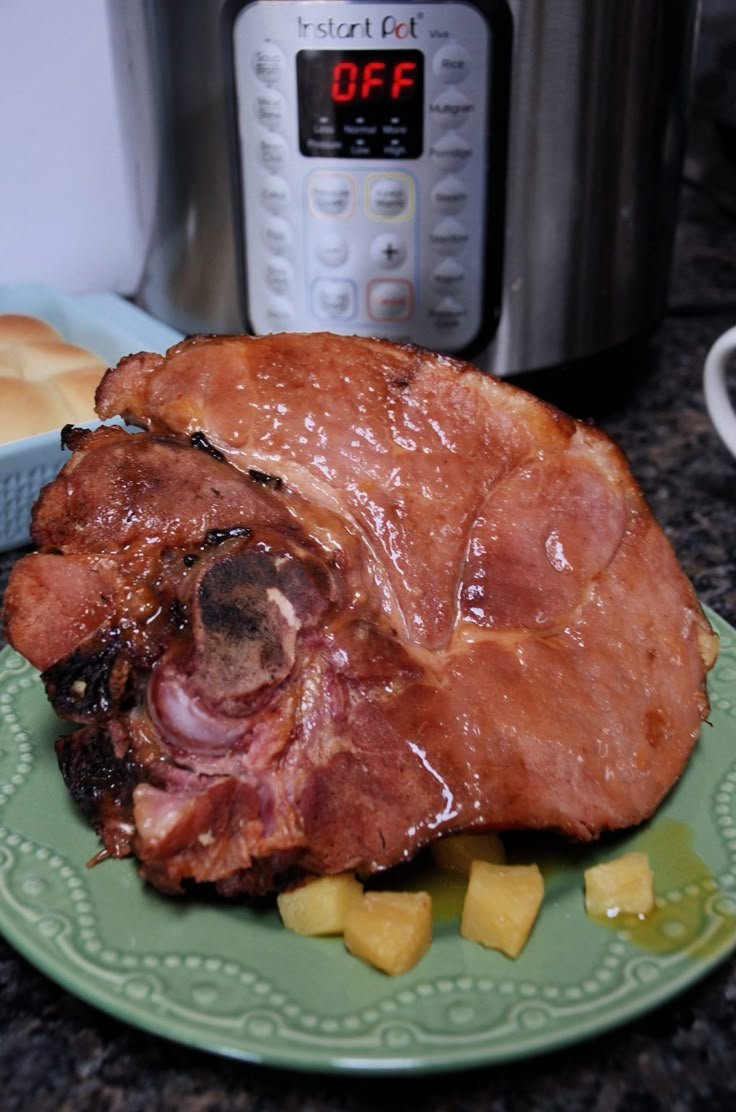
x=389, y=196
x=390, y=300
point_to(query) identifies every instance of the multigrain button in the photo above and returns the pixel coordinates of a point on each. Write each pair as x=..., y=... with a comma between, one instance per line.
x=450, y=195
x=268, y=63
x=333, y=298
x=388, y=251
x=390, y=197
x=275, y=194
x=270, y=109
x=451, y=63
x=390, y=300
x=332, y=249
x=449, y=236
x=277, y=233
x=451, y=151
x=331, y=194
x=450, y=108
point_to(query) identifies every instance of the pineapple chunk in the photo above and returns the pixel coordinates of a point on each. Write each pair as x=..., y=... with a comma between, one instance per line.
x=624, y=885
x=501, y=905
x=390, y=930
x=457, y=852
x=320, y=905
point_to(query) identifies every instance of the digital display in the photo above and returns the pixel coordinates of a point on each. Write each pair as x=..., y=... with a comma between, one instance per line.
x=368, y=81
x=360, y=103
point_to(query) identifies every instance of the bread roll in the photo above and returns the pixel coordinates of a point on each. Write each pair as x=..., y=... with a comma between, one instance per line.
x=44, y=382
x=76, y=389
x=27, y=408
x=16, y=328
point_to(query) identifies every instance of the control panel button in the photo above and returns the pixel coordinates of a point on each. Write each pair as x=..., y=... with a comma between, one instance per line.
x=277, y=234
x=388, y=250
x=450, y=108
x=449, y=236
x=268, y=63
x=334, y=298
x=449, y=195
x=279, y=275
x=451, y=151
x=280, y=312
x=390, y=197
x=447, y=313
x=448, y=276
x=331, y=194
x=332, y=249
x=275, y=194
x=451, y=63
x=390, y=299
x=273, y=153
x=270, y=109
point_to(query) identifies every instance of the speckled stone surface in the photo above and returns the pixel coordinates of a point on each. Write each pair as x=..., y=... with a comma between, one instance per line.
x=57, y=1053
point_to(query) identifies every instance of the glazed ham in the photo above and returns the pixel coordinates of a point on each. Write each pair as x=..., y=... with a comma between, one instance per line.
x=341, y=597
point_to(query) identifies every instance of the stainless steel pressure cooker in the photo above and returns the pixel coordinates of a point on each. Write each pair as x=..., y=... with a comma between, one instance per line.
x=494, y=179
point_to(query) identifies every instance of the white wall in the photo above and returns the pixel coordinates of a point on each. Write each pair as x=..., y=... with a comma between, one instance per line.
x=67, y=210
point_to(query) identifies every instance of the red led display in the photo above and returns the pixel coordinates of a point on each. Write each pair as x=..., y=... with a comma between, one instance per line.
x=360, y=104
x=372, y=79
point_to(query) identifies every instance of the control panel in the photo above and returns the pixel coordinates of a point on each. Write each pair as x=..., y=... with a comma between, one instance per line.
x=364, y=155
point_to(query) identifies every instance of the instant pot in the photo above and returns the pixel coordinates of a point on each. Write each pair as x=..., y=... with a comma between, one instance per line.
x=496, y=179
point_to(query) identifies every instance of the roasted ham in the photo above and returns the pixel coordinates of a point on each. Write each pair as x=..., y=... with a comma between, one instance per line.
x=340, y=597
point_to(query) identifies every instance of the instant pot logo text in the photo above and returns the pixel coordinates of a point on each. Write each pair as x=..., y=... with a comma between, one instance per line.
x=367, y=28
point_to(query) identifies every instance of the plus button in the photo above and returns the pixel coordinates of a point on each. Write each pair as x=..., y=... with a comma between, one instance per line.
x=388, y=251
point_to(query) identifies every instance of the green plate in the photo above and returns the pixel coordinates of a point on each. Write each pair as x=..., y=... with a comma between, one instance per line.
x=232, y=980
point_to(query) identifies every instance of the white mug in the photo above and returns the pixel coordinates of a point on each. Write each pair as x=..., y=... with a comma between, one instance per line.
x=717, y=400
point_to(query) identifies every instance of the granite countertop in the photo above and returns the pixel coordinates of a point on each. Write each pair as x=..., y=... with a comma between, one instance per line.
x=58, y=1053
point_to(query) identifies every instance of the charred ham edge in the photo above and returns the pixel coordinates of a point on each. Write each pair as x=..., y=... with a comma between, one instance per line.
x=101, y=784
x=93, y=682
x=273, y=481
x=218, y=536
x=200, y=441
x=72, y=437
